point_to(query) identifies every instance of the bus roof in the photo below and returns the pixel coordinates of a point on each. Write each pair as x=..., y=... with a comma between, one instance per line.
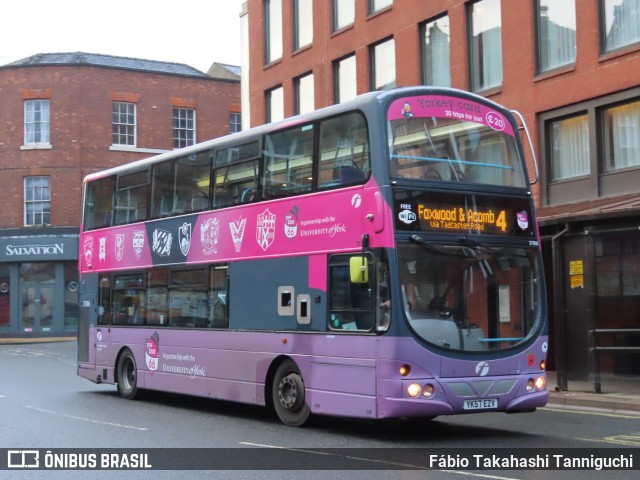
x=360, y=102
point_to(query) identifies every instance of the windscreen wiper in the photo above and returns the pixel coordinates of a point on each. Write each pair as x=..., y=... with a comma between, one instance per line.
x=417, y=239
x=467, y=241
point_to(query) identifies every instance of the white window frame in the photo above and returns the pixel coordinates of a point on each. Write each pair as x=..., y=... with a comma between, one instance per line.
x=37, y=119
x=235, y=122
x=184, y=127
x=40, y=197
x=124, y=124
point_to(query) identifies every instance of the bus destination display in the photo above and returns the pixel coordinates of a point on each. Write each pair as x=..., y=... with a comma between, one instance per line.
x=456, y=213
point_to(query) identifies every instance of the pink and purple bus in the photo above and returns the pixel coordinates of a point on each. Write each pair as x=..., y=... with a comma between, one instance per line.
x=375, y=259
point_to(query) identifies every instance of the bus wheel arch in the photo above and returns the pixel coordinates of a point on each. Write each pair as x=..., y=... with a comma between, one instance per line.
x=285, y=393
x=126, y=374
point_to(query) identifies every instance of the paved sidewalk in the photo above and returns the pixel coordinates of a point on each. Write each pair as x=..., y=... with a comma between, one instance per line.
x=620, y=395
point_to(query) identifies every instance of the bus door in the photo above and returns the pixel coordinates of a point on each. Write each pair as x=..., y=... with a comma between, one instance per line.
x=94, y=323
x=102, y=320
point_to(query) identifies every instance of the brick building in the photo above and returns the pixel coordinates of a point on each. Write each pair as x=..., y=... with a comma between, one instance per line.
x=572, y=68
x=63, y=116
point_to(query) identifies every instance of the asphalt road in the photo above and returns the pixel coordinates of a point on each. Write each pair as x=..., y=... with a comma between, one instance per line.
x=44, y=405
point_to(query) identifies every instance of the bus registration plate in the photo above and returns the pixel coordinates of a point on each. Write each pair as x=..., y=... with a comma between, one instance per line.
x=481, y=403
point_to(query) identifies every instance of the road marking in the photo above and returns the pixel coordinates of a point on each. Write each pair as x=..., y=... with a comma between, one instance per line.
x=633, y=440
x=90, y=420
x=586, y=412
x=386, y=462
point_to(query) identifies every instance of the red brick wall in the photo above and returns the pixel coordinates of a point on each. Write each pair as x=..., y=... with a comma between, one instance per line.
x=80, y=126
x=592, y=76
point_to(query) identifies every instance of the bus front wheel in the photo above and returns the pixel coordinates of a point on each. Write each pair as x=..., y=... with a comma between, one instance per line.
x=127, y=375
x=288, y=395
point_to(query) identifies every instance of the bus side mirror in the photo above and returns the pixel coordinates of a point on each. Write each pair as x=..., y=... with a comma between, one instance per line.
x=358, y=270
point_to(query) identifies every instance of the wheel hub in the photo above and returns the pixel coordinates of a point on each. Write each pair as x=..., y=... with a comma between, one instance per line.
x=288, y=391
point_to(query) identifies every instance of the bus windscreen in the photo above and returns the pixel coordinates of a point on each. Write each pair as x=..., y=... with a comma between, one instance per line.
x=446, y=138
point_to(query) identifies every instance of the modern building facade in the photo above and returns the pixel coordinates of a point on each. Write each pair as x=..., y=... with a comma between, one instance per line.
x=63, y=116
x=571, y=68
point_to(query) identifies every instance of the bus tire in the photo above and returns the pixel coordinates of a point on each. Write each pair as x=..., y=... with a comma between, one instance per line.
x=127, y=375
x=288, y=395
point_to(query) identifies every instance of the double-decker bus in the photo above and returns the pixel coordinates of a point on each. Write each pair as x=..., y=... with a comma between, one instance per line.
x=375, y=259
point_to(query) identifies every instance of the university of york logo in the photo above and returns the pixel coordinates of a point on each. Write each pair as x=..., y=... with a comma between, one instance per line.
x=119, y=246
x=161, y=244
x=184, y=238
x=209, y=236
x=237, y=232
x=266, y=229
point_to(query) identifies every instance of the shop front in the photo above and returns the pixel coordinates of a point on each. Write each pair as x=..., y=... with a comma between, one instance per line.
x=38, y=282
x=592, y=263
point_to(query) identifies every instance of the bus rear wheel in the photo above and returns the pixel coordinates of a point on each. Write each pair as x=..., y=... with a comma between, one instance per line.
x=127, y=375
x=288, y=395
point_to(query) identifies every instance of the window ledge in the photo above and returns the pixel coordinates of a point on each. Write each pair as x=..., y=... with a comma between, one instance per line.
x=575, y=178
x=36, y=146
x=277, y=61
x=619, y=52
x=304, y=48
x=377, y=13
x=341, y=30
x=555, y=72
x=126, y=148
x=489, y=91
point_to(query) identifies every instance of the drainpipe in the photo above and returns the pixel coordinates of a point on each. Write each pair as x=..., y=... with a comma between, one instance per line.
x=558, y=310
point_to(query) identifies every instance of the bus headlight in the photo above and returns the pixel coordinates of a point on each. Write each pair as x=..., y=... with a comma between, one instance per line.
x=538, y=384
x=405, y=370
x=413, y=390
x=428, y=391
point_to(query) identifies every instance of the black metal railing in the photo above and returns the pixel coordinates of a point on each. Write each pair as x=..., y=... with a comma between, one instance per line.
x=597, y=349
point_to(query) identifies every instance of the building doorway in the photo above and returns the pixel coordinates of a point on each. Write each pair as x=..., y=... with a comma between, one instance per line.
x=37, y=282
